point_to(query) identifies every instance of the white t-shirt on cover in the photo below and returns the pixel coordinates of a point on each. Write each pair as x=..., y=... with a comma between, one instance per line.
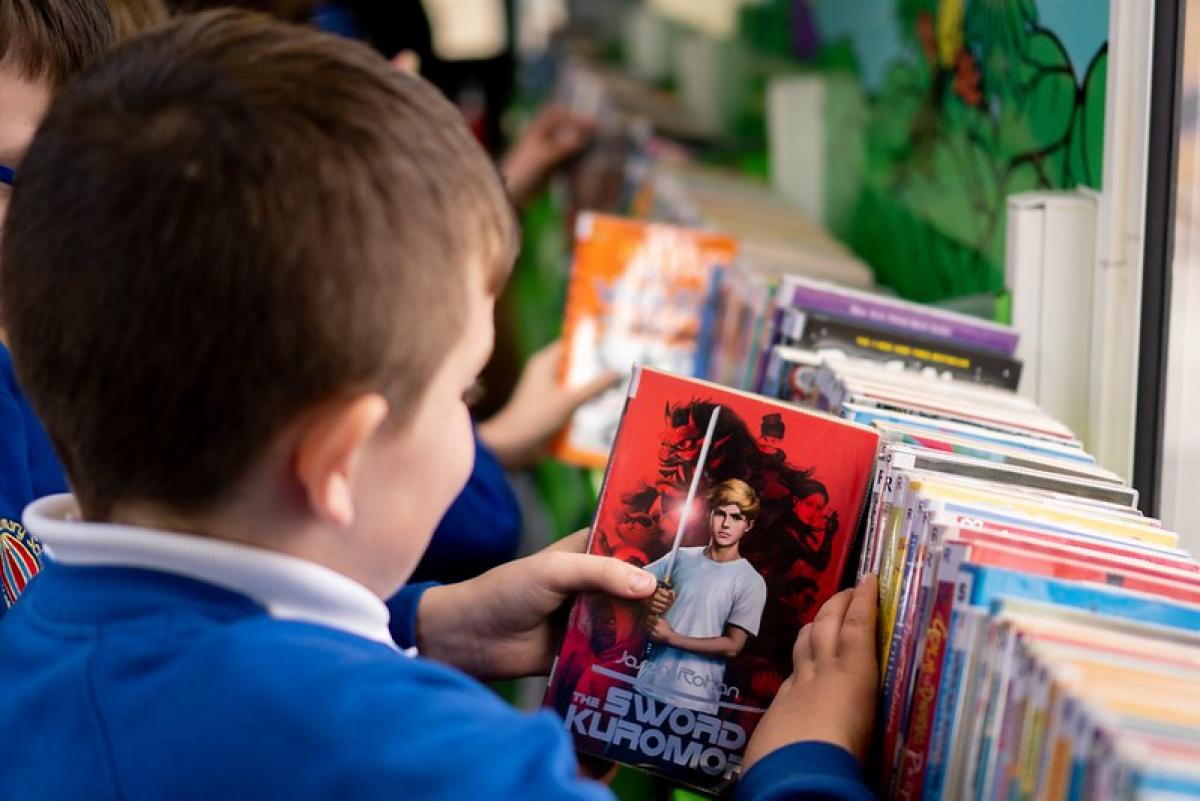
x=708, y=596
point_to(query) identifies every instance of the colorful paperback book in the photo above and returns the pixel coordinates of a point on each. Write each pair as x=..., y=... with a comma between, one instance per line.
x=914, y=352
x=745, y=509
x=637, y=295
x=897, y=315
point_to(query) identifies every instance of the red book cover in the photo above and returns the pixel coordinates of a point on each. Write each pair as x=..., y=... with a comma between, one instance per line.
x=776, y=494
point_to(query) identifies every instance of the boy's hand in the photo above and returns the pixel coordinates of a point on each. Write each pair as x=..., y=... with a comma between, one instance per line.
x=498, y=626
x=661, y=601
x=831, y=694
x=539, y=407
x=553, y=136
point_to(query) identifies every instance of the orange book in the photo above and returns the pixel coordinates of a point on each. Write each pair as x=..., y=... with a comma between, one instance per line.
x=637, y=296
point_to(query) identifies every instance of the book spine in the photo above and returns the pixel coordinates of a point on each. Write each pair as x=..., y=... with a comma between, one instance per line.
x=899, y=662
x=914, y=351
x=945, y=716
x=709, y=319
x=908, y=318
x=928, y=684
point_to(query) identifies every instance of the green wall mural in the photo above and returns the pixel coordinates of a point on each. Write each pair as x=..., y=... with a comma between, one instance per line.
x=940, y=109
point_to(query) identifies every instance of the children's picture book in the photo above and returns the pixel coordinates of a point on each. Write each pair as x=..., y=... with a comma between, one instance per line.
x=636, y=296
x=746, y=511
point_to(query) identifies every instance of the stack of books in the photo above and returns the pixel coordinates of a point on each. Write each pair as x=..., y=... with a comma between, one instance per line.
x=1038, y=635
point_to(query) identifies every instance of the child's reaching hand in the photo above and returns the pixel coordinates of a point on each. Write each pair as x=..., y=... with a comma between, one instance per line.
x=555, y=135
x=539, y=407
x=831, y=694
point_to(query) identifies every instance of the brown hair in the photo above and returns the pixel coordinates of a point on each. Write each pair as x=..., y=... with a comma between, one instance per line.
x=737, y=492
x=290, y=10
x=51, y=40
x=131, y=17
x=225, y=222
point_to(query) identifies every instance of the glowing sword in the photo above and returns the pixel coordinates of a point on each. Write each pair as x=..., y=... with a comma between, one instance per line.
x=691, y=495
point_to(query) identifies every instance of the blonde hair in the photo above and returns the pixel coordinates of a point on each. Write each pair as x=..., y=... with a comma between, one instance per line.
x=737, y=492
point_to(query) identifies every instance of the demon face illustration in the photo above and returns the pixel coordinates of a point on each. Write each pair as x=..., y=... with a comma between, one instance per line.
x=731, y=454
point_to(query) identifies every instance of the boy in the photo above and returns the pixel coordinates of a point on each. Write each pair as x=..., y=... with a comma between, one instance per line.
x=714, y=604
x=248, y=274
x=42, y=43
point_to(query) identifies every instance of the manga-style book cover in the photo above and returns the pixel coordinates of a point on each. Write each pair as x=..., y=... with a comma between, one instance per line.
x=636, y=296
x=745, y=509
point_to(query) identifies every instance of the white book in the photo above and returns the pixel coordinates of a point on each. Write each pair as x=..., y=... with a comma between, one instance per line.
x=1050, y=264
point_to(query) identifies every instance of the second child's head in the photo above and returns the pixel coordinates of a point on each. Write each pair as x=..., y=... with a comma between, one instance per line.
x=42, y=43
x=248, y=275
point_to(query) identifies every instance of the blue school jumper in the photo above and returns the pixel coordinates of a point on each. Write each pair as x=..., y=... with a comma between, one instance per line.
x=147, y=665
x=28, y=470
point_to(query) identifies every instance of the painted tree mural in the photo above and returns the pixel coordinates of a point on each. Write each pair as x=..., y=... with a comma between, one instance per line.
x=977, y=101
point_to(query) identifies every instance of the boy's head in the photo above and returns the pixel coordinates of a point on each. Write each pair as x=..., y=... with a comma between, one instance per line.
x=240, y=245
x=42, y=43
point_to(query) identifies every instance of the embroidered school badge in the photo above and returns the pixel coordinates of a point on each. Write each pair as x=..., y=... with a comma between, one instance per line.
x=20, y=559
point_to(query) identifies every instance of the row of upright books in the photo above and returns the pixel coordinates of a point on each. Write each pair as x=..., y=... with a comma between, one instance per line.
x=1036, y=631
x=1039, y=637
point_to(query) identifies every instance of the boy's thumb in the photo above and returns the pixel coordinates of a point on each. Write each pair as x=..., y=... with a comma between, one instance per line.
x=569, y=573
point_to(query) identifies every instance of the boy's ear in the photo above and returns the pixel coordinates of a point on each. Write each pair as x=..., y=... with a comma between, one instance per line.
x=329, y=450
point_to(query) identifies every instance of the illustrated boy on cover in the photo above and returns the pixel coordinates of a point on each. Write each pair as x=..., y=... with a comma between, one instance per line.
x=712, y=606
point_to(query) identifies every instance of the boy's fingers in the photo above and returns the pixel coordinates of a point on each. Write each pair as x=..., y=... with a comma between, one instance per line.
x=802, y=652
x=827, y=625
x=858, y=627
x=864, y=604
x=568, y=573
x=835, y=607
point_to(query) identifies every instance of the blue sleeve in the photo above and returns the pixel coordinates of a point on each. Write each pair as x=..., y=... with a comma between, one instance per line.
x=403, y=606
x=481, y=529
x=808, y=771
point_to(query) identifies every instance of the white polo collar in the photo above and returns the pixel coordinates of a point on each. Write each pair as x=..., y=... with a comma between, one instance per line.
x=288, y=587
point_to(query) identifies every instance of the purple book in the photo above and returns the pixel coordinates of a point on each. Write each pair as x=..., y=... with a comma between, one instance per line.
x=899, y=315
